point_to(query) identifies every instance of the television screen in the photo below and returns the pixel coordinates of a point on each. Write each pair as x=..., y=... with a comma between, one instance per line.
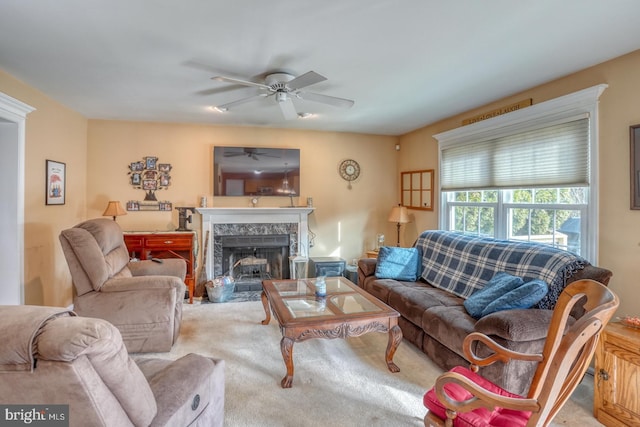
x=256, y=171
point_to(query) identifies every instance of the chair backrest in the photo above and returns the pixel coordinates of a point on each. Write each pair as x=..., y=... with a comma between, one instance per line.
x=95, y=252
x=78, y=361
x=570, y=346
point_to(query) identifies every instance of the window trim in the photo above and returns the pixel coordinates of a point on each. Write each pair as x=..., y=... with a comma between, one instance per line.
x=561, y=108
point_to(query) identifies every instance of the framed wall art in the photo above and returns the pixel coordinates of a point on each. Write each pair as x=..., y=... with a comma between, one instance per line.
x=634, y=134
x=417, y=189
x=56, y=176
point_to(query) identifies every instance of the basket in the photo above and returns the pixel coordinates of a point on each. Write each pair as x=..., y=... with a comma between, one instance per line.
x=220, y=289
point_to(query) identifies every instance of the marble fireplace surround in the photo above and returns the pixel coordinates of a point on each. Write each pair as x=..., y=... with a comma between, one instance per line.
x=252, y=221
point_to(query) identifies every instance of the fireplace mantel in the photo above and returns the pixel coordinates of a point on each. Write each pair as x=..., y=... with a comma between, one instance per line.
x=249, y=215
x=254, y=215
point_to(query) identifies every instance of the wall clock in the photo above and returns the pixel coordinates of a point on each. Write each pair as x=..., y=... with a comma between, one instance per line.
x=349, y=170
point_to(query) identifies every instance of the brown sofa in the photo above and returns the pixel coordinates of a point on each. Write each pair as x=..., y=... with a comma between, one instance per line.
x=435, y=320
x=142, y=299
x=49, y=356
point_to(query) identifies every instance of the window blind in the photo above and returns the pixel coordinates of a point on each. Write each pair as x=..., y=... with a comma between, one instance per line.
x=550, y=156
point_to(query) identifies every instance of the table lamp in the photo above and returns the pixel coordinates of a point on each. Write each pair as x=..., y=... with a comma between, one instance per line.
x=400, y=216
x=114, y=209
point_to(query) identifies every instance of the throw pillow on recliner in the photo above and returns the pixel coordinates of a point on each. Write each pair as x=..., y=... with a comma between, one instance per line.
x=398, y=263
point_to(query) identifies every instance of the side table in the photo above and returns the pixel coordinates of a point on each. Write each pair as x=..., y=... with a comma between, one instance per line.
x=617, y=369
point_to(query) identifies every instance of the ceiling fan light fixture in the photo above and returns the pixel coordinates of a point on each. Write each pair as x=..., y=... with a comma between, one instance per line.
x=221, y=109
x=285, y=87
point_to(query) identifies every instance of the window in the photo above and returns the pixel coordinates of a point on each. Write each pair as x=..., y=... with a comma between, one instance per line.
x=544, y=215
x=529, y=175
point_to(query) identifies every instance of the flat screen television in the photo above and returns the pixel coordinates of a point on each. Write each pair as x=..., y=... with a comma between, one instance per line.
x=256, y=171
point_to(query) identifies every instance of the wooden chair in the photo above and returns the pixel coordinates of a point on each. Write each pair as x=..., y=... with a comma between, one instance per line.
x=461, y=397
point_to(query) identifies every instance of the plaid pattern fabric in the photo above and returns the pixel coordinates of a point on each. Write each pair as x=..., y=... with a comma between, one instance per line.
x=461, y=264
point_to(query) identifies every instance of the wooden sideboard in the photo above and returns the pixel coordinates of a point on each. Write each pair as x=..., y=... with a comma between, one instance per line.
x=162, y=245
x=617, y=374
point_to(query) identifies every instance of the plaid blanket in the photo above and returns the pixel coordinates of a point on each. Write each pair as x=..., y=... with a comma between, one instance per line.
x=461, y=264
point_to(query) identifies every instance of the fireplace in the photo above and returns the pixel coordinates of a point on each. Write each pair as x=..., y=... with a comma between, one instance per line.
x=252, y=259
x=263, y=233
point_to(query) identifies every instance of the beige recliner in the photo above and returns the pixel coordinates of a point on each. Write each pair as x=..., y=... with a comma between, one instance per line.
x=49, y=356
x=142, y=299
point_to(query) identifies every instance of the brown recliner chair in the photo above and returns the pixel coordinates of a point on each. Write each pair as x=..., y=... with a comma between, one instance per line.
x=49, y=356
x=142, y=299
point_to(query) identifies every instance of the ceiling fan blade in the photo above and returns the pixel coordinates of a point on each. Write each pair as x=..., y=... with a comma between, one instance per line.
x=326, y=99
x=240, y=82
x=229, y=105
x=307, y=79
x=288, y=109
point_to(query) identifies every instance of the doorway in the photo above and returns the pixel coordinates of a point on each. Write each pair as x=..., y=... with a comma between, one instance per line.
x=12, y=171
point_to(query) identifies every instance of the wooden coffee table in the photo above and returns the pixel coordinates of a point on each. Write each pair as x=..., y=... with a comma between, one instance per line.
x=346, y=311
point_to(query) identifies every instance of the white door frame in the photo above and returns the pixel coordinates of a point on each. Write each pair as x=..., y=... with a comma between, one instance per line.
x=13, y=115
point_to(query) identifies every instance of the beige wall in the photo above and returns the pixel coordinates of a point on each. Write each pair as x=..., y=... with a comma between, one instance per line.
x=57, y=133
x=345, y=221
x=619, y=233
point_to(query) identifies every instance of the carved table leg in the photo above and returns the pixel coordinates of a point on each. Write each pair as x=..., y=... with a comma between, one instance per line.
x=267, y=309
x=395, y=337
x=286, y=346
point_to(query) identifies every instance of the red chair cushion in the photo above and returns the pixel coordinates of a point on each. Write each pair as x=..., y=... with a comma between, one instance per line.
x=480, y=417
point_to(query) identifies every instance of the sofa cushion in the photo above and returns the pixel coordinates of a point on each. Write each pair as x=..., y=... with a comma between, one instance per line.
x=448, y=325
x=500, y=285
x=398, y=263
x=524, y=296
x=411, y=299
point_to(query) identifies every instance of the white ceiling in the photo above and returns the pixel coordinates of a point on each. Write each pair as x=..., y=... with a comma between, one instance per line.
x=406, y=63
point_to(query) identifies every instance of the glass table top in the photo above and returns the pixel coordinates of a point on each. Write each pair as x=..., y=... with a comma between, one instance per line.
x=343, y=298
x=314, y=306
x=306, y=286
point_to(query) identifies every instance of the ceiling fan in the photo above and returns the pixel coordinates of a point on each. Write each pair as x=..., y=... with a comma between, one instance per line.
x=252, y=153
x=283, y=87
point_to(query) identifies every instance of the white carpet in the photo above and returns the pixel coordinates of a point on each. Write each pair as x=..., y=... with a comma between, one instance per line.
x=336, y=382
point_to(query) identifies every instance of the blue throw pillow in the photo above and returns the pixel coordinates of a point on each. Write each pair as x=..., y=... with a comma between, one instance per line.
x=501, y=284
x=398, y=263
x=525, y=296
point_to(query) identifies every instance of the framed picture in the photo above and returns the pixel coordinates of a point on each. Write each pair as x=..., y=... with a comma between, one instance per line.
x=149, y=184
x=164, y=167
x=165, y=180
x=417, y=189
x=150, y=175
x=56, y=175
x=150, y=163
x=136, y=178
x=634, y=132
